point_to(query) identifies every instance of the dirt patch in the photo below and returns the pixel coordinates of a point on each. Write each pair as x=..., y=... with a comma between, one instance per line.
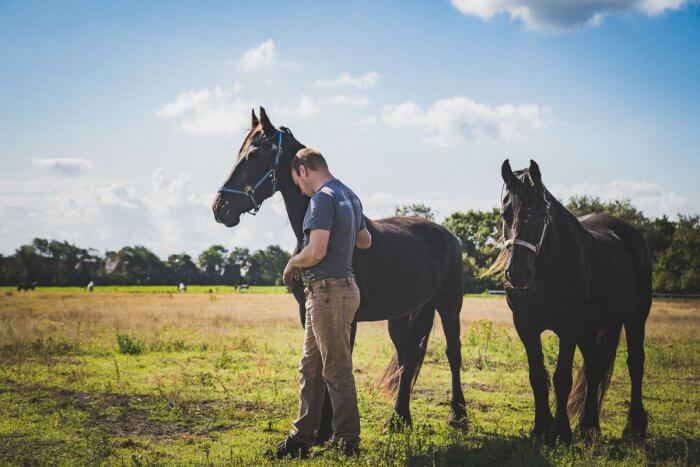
x=483, y=387
x=143, y=415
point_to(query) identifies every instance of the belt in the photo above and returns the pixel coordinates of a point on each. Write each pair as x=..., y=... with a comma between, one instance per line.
x=329, y=281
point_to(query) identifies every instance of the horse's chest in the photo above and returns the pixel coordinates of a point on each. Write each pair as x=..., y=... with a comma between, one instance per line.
x=543, y=312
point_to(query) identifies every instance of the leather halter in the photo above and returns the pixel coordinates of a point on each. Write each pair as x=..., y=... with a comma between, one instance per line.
x=534, y=248
x=271, y=174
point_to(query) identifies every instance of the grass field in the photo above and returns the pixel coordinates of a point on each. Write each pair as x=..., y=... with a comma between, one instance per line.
x=211, y=378
x=217, y=289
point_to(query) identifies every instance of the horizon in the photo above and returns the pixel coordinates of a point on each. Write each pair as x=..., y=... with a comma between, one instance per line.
x=121, y=119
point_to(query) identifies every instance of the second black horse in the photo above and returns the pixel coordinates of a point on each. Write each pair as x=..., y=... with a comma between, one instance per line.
x=584, y=279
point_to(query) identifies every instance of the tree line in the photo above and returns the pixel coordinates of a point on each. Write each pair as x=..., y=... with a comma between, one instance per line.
x=61, y=263
x=675, y=245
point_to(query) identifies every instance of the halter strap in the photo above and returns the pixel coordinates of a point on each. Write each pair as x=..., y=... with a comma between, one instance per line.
x=271, y=174
x=534, y=248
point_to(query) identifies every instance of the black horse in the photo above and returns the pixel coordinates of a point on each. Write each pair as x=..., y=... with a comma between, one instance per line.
x=413, y=267
x=583, y=279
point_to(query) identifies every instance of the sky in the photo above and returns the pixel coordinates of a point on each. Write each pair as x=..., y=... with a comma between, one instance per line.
x=119, y=120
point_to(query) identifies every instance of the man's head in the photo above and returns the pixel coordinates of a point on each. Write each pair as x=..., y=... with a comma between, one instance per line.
x=309, y=170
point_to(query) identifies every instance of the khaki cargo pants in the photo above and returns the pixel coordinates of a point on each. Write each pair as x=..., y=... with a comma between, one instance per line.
x=327, y=361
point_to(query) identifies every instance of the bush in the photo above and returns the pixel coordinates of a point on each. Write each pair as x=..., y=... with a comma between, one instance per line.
x=129, y=345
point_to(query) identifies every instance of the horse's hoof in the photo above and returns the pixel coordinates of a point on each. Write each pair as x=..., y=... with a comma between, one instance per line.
x=590, y=435
x=397, y=423
x=459, y=421
x=634, y=433
x=559, y=433
x=636, y=427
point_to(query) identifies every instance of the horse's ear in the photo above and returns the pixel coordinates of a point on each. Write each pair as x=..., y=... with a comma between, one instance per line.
x=507, y=173
x=268, y=127
x=254, y=122
x=535, y=174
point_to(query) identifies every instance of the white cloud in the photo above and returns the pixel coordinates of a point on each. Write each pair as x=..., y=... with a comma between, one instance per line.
x=456, y=119
x=649, y=197
x=210, y=111
x=260, y=57
x=562, y=14
x=307, y=107
x=169, y=218
x=263, y=57
x=196, y=100
x=366, y=121
x=350, y=100
x=380, y=204
x=63, y=165
x=365, y=81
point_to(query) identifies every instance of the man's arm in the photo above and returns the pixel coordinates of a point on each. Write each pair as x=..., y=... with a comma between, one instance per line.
x=363, y=239
x=311, y=255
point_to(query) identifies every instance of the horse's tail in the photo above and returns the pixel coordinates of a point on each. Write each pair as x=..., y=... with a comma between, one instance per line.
x=606, y=345
x=421, y=324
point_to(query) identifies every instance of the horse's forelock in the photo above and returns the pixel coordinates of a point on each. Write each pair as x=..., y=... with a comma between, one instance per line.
x=248, y=140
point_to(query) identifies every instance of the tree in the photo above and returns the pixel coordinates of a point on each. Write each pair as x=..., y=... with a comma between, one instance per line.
x=659, y=234
x=181, y=268
x=135, y=265
x=582, y=204
x=64, y=258
x=478, y=233
x=266, y=266
x=237, y=265
x=416, y=210
x=33, y=261
x=678, y=267
x=212, y=263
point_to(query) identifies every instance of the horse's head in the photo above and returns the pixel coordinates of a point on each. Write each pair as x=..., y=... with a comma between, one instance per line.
x=525, y=212
x=261, y=168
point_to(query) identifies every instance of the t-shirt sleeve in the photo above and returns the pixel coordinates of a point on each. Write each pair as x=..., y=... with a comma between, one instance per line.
x=321, y=213
x=363, y=224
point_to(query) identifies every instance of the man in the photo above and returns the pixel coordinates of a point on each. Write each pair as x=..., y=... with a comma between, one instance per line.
x=333, y=226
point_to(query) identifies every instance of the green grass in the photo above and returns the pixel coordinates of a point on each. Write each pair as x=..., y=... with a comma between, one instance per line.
x=254, y=289
x=205, y=380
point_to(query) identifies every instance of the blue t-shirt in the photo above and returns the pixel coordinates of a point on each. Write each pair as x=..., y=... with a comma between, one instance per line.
x=334, y=207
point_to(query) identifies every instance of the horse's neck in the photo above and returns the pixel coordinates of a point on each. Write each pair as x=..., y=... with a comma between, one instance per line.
x=565, y=256
x=296, y=205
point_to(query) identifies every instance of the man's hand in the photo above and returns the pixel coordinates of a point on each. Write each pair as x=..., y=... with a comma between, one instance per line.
x=290, y=274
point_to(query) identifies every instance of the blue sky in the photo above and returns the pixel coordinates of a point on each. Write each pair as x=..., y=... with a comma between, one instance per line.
x=119, y=120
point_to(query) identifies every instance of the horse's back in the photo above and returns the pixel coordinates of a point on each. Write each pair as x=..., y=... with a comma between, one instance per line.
x=620, y=260
x=410, y=262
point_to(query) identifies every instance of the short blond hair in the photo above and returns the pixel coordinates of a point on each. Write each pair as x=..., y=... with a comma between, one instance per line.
x=309, y=158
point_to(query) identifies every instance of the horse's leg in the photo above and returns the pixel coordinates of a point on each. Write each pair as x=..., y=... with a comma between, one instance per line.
x=451, y=328
x=589, y=424
x=562, y=386
x=539, y=380
x=637, y=416
x=407, y=351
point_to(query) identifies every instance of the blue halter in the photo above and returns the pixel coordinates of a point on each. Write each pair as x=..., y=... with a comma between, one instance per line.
x=271, y=174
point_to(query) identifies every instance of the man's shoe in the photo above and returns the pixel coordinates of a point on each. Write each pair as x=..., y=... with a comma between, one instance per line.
x=291, y=448
x=334, y=444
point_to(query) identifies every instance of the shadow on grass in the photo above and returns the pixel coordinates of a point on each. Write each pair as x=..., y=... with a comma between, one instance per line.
x=496, y=449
